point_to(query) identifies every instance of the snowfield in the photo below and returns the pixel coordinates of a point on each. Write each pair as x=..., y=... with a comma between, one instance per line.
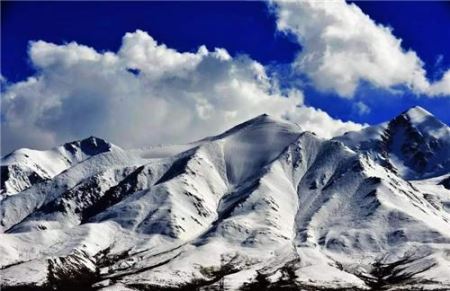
x=262, y=206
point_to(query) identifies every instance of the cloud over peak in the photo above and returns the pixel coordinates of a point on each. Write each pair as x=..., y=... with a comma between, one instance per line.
x=146, y=93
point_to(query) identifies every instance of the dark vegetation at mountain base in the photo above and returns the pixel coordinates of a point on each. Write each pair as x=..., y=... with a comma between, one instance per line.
x=69, y=274
x=386, y=275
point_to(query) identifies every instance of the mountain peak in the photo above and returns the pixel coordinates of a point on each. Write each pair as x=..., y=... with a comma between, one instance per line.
x=23, y=168
x=417, y=114
x=261, y=121
x=263, y=118
x=417, y=109
x=422, y=120
x=91, y=139
x=415, y=143
x=91, y=145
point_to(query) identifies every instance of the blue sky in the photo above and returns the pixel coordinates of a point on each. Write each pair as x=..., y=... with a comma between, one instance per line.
x=241, y=28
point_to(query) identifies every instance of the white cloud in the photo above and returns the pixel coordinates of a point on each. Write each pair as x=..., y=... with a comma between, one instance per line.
x=319, y=122
x=144, y=94
x=342, y=46
x=361, y=108
x=441, y=87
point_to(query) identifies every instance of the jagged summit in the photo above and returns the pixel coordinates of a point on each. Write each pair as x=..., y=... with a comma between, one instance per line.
x=262, y=204
x=415, y=144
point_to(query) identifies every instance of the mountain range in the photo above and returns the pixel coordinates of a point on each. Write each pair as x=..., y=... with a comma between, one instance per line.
x=262, y=206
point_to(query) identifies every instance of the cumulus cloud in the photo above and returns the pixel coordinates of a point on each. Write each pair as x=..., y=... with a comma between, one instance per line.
x=319, y=122
x=441, y=87
x=146, y=93
x=342, y=46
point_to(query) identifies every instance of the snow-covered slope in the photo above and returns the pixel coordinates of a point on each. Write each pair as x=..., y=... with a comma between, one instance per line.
x=263, y=205
x=25, y=167
x=415, y=144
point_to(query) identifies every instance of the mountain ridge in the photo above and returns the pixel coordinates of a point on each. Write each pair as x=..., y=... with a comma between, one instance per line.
x=262, y=205
x=415, y=144
x=24, y=167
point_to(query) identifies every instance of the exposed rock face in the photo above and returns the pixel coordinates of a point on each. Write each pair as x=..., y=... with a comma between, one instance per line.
x=446, y=183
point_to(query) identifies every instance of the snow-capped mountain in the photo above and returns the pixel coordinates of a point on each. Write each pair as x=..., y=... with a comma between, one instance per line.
x=415, y=144
x=264, y=205
x=25, y=167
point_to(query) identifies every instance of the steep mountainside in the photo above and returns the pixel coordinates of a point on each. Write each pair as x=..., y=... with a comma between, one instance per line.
x=262, y=206
x=415, y=144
